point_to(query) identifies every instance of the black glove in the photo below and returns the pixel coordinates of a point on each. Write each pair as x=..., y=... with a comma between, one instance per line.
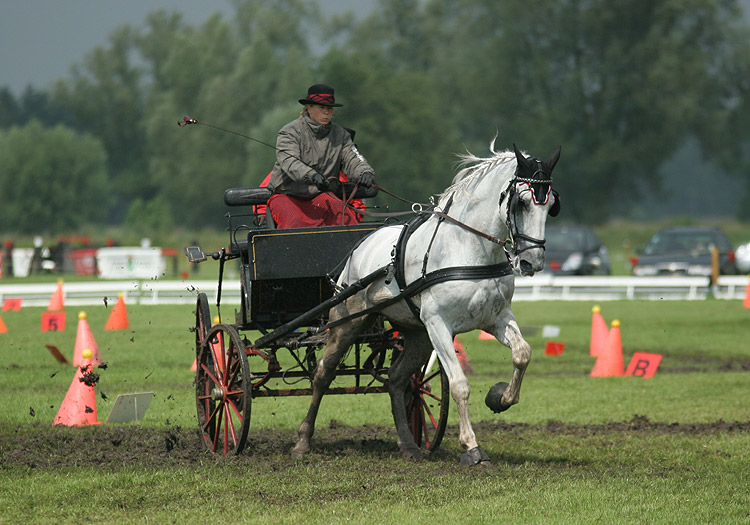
x=319, y=182
x=367, y=179
x=334, y=186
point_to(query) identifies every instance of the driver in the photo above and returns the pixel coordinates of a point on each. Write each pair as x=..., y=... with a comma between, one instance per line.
x=310, y=153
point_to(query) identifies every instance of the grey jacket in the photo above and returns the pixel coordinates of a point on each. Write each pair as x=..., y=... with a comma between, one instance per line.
x=304, y=147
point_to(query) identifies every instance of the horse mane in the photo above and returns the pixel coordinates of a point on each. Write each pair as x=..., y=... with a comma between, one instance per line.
x=473, y=168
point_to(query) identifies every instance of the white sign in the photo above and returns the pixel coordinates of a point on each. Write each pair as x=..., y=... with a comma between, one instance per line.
x=22, y=261
x=130, y=263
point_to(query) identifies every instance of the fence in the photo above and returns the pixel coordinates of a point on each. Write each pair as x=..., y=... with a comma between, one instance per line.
x=537, y=288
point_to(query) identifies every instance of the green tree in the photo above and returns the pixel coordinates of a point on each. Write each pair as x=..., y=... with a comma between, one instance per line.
x=246, y=70
x=153, y=217
x=400, y=128
x=620, y=85
x=106, y=97
x=52, y=180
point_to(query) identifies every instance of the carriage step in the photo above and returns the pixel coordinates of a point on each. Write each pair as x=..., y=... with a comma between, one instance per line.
x=195, y=254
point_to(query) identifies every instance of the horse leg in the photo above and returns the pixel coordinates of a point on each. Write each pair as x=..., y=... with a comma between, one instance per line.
x=506, y=331
x=340, y=339
x=442, y=341
x=416, y=351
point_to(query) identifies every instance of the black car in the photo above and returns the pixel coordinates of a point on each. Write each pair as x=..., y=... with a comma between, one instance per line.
x=685, y=251
x=575, y=250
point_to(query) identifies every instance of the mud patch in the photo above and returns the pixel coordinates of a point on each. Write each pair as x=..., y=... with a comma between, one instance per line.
x=113, y=447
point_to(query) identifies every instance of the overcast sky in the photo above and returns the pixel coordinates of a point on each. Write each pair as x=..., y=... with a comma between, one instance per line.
x=41, y=39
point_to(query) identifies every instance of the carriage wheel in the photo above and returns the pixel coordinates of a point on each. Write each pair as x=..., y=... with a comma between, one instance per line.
x=427, y=406
x=202, y=321
x=223, y=391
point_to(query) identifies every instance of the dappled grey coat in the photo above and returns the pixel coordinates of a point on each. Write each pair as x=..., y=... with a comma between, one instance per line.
x=304, y=148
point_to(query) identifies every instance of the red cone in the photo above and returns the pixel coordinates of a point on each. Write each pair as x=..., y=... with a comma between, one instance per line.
x=79, y=406
x=553, y=348
x=56, y=301
x=746, y=302
x=3, y=328
x=85, y=340
x=599, y=332
x=118, y=319
x=463, y=357
x=610, y=363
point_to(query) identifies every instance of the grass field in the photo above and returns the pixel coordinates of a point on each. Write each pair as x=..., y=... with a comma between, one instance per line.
x=671, y=449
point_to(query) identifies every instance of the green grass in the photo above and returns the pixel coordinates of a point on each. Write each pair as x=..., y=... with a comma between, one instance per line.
x=576, y=471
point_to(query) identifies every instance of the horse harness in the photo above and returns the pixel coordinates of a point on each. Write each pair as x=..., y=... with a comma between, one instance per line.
x=396, y=268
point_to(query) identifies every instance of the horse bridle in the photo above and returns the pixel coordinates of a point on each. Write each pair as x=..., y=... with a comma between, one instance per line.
x=510, y=245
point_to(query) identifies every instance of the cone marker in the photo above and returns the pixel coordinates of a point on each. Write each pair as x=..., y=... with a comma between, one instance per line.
x=118, y=319
x=79, y=406
x=85, y=340
x=56, y=301
x=599, y=332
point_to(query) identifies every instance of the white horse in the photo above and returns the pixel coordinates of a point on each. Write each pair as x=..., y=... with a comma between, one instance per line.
x=494, y=220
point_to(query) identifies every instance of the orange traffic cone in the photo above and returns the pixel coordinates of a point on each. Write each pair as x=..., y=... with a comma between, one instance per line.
x=599, y=332
x=85, y=339
x=214, y=344
x=463, y=357
x=79, y=406
x=746, y=302
x=609, y=361
x=3, y=328
x=56, y=301
x=118, y=319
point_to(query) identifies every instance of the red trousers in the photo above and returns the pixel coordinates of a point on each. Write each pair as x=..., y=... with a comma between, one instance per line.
x=299, y=212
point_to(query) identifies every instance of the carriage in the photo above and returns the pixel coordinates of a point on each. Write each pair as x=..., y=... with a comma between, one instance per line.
x=287, y=283
x=372, y=308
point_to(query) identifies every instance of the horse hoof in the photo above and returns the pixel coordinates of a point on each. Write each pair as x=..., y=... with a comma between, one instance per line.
x=412, y=454
x=475, y=456
x=494, y=399
x=300, y=450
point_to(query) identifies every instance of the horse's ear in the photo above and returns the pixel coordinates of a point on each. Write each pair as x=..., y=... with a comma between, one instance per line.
x=519, y=156
x=553, y=158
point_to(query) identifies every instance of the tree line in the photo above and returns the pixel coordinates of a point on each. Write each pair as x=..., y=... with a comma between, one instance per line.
x=620, y=85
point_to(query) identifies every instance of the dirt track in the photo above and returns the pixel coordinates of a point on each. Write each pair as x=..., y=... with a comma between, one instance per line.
x=41, y=447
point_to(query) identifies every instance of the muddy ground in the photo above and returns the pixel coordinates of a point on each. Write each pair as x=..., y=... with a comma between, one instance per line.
x=42, y=447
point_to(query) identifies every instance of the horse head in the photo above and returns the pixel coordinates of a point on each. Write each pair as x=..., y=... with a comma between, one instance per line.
x=530, y=199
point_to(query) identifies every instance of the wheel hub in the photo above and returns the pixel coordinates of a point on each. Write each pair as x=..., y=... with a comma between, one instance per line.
x=217, y=394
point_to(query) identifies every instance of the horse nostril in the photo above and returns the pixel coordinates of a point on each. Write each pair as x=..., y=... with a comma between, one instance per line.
x=526, y=267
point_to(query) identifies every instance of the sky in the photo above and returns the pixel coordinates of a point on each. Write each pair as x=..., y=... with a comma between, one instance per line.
x=41, y=39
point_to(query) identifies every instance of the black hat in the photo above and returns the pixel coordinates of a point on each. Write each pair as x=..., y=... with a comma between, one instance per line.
x=321, y=95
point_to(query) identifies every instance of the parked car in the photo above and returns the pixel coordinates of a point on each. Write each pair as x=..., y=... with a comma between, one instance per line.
x=685, y=251
x=742, y=258
x=575, y=250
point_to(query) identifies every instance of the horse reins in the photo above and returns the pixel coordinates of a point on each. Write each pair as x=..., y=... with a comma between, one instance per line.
x=508, y=244
x=417, y=207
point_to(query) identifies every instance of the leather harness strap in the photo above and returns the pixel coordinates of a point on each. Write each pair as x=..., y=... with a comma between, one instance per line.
x=453, y=273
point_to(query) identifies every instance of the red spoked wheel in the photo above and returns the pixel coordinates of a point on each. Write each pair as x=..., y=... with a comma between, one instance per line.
x=427, y=406
x=223, y=390
x=202, y=321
